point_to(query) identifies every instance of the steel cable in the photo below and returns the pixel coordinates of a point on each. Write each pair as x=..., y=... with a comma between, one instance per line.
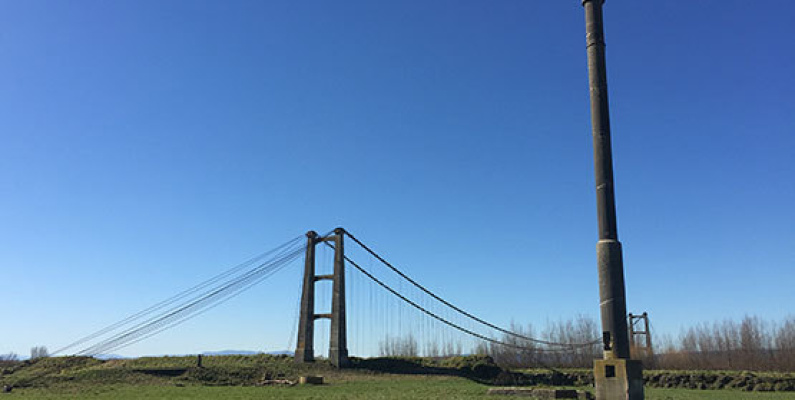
x=461, y=311
x=441, y=319
x=175, y=298
x=192, y=306
x=178, y=318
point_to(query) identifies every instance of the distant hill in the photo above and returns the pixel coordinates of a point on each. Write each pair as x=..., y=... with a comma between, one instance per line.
x=111, y=357
x=282, y=352
x=231, y=353
x=205, y=353
x=246, y=353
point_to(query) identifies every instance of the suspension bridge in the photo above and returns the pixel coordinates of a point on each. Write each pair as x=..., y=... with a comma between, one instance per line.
x=371, y=308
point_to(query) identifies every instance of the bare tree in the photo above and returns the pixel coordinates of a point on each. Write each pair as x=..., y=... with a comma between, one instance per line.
x=785, y=344
x=38, y=352
x=522, y=353
x=432, y=349
x=7, y=360
x=750, y=344
x=516, y=352
x=399, y=347
x=452, y=348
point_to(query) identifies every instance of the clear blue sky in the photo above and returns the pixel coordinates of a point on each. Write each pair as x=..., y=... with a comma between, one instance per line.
x=147, y=145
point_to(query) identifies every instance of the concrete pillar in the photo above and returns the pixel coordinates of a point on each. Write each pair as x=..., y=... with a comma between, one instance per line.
x=616, y=377
x=304, y=351
x=338, y=346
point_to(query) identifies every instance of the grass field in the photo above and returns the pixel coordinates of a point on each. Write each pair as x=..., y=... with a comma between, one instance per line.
x=242, y=377
x=396, y=387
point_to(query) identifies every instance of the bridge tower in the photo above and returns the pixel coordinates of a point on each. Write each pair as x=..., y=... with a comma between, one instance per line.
x=338, y=345
x=643, y=350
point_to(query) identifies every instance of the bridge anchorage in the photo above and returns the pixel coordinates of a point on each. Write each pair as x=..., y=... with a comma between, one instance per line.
x=338, y=347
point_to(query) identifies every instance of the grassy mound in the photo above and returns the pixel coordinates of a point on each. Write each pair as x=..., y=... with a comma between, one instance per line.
x=76, y=372
x=227, y=370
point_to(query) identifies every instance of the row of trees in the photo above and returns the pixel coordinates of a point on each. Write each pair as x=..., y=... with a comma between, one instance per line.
x=393, y=346
x=748, y=344
x=523, y=353
x=515, y=352
x=9, y=359
x=39, y=352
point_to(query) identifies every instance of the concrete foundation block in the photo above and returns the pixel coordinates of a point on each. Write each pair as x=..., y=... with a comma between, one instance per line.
x=310, y=380
x=618, y=379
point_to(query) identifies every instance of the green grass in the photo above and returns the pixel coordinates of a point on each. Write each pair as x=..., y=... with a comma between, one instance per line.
x=394, y=387
x=403, y=387
x=238, y=377
x=688, y=394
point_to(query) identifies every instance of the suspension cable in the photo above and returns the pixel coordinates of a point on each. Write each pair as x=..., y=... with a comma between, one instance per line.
x=232, y=283
x=192, y=308
x=459, y=310
x=178, y=296
x=441, y=319
x=178, y=318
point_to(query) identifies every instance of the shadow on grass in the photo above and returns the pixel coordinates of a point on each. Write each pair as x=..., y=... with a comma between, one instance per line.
x=162, y=372
x=480, y=369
